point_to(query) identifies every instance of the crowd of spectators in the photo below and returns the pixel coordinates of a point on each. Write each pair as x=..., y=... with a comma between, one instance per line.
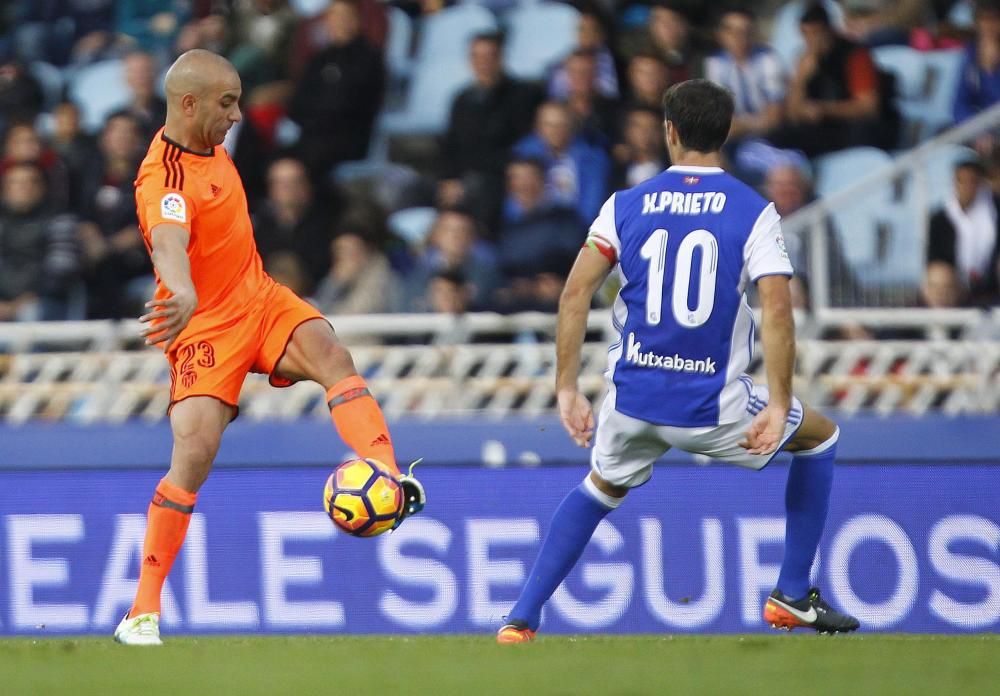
x=515, y=177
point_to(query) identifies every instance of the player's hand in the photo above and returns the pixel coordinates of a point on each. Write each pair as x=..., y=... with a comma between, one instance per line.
x=576, y=416
x=172, y=314
x=766, y=431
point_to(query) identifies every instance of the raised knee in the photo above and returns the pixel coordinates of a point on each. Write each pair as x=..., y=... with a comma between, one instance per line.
x=197, y=447
x=826, y=428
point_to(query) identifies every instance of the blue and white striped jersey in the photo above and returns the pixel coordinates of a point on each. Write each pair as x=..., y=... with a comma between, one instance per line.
x=687, y=242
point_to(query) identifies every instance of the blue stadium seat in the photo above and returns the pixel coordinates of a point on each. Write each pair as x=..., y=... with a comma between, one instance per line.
x=840, y=170
x=909, y=67
x=51, y=79
x=399, y=42
x=412, y=225
x=961, y=14
x=98, y=89
x=445, y=35
x=538, y=36
x=785, y=36
x=308, y=8
x=943, y=73
x=939, y=169
x=858, y=222
x=900, y=243
x=428, y=100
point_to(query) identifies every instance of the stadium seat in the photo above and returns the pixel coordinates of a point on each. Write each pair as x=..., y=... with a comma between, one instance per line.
x=98, y=89
x=308, y=8
x=399, y=42
x=909, y=67
x=840, y=170
x=412, y=225
x=856, y=223
x=498, y=6
x=785, y=36
x=900, y=243
x=51, y=80
x=939, y=168
x=445, y=35
x=538, y=36
x=961, y=14
x=428, y=100
x=943, y=73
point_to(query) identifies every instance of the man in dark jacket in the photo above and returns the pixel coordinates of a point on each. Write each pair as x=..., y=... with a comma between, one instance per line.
x=38, y=253
x=963, y=244
x=291, y=220
x=837, y=97
x=339, y=95
x=487, y=118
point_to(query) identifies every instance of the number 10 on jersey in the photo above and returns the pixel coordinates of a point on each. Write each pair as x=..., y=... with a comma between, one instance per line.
x=655, y=252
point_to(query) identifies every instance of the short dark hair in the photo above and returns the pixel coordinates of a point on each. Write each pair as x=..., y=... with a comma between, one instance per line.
x=532, y=162
x=645, y=110
x=31, y=165
x=971, y=162
x=647, y=54
x=455, y=276
x=734, y=8
x=816, y=14
x=990, y=6
x=588, y=53
x=702, y=113
x=121, y=113
x=493, y=37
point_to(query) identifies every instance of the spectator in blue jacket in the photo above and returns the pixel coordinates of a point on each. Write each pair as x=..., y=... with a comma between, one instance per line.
x=576, y=173
x=979, y=81
x=537, y=234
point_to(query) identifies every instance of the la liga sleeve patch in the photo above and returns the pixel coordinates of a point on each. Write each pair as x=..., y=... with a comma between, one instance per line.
x=779, y=241
x=173, y=207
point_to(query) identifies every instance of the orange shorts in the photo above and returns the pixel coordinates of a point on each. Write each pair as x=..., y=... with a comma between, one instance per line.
x=215, y=361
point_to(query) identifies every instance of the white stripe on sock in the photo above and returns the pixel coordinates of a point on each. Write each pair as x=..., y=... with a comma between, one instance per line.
x=608, y=501
x=820, y=448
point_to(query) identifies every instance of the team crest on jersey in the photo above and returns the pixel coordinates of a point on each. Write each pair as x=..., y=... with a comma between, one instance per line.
x=692, y=180
x=173, y=207
x=779, y=241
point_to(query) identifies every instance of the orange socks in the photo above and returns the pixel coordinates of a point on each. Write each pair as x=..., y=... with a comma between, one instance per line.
x=167, y=522
x=359, y=420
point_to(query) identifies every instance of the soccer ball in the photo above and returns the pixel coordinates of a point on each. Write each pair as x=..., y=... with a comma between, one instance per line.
x=362, y=498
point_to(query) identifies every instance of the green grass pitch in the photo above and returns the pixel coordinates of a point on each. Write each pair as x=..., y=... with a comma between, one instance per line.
x=475, y=666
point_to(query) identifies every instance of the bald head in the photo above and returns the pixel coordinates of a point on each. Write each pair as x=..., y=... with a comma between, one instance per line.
x=197, y=71
x=203, y=91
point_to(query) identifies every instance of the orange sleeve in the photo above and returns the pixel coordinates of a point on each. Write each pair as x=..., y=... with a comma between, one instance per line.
x=861, y=75
x=160, y=198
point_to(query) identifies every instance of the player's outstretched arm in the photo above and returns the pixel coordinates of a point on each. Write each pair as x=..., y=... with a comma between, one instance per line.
x=587, y=275
x=170, y=314
x=778, y=337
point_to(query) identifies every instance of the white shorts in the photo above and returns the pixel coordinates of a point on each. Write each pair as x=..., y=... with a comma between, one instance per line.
x=626, y=447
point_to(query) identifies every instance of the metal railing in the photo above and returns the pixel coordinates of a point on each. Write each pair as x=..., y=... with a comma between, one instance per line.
x=911, y=198
x=436, y=365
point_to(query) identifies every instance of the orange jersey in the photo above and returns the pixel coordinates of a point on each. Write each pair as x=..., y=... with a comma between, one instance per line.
x=203, y=194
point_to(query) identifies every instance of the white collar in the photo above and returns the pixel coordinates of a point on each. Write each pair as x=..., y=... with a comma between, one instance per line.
x=695, y=170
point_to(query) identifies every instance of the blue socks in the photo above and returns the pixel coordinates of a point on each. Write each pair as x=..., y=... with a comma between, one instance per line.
x=572, y=526
x=807, y=498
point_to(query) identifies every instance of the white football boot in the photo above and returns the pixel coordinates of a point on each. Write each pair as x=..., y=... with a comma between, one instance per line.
x=143, y=629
